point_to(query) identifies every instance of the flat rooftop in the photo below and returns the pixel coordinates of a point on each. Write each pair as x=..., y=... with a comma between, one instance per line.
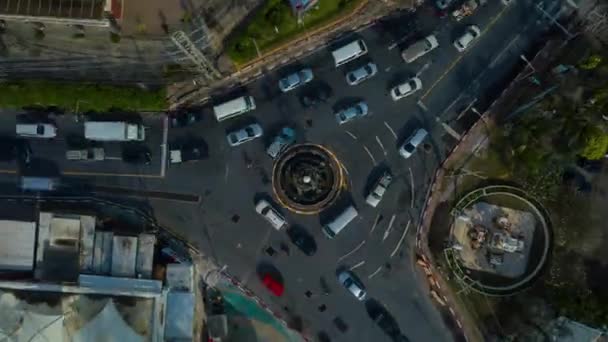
x=73, y=9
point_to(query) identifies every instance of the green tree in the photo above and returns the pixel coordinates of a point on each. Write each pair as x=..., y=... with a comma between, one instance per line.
x=594, y=143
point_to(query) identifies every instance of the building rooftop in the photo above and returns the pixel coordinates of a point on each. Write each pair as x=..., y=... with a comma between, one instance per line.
x=180, y=315
x=74, y=9
x=17, y=239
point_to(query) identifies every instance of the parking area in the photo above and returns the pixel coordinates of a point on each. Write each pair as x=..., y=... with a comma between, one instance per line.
x=48, y=155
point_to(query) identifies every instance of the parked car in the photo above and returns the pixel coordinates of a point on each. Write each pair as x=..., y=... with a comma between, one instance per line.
x=136, y=154
x=352, y=112
x=245, y=134
x=36, y=130
x=385, y=321
x=409, y=146
x=471, y=33
x=406, y=89
x=352, y=284
x=188, y=151
x=379, y=189
x=419, y=48
x=273, y=284
x=182, y=119
x=361, y=74
x=292, y=81
x=271, y=215
x=315, y=95
x=281, y=142
x=303, y=240
x=12, y=149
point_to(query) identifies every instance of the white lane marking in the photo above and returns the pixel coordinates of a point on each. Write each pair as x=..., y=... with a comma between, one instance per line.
x=375, y=272
x=422, y=105
x=370, y=154
x=112, y=158
x=389, y=228
x=503, y=51
x=226, y=173
x=453, y=103
x=351, y=135
x=424, y=67
x=390, y=129
x=163, y=151
x=407, y=226
x=411, y=186
x=361, y=263
x=375, y=223
x=381, y=146
x=351, y=252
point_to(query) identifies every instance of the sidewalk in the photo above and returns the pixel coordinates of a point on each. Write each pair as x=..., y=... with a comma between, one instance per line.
x=198, y=91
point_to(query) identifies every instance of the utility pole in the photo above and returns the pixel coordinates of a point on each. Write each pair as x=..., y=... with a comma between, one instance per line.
x=203, y=65
x=554, y=21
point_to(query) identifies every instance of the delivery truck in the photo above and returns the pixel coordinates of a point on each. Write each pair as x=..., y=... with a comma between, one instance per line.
x=113, y=131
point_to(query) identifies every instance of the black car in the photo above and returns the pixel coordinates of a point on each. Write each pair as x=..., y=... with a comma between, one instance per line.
x=315, y=94
x=385, y=321
x=182, y=119
x=12, y=149
x=136, y=155
x=303, y=240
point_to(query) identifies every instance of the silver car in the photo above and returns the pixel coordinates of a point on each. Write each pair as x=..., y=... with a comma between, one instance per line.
x=350, y=113
x=406, y=89
x=244, y=134
x=419, y=49
x=271, y=215
x=409, y=146
x=382, y=184
x=361, y=74
x=352, y=284
x=295, y=80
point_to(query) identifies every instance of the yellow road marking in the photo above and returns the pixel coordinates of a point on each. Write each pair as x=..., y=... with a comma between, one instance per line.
x=460, y=56
x=8, y=171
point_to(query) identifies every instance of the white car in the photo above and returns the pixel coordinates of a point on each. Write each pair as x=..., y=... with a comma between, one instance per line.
x=295, y=80
x=471, y=33
x=244, y=134
x=36, y=130
x=409, y=146
x=419, y=49
x=382, y=184
x=406, y=89
x=265, y=209
x=361, y=74
x=350, y=113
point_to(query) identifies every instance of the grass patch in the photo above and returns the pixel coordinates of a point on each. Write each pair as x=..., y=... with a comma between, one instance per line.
x=275, y=23
x=90, y=97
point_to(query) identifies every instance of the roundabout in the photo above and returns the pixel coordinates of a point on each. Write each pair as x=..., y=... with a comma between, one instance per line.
x=307, y=178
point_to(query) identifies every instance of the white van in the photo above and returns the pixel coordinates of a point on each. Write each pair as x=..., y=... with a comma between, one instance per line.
x=349, y=52
x=335, y=226
x=36, y=130
x=233, y=108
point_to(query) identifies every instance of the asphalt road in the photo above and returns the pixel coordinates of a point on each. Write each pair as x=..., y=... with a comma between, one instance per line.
x=225, y=225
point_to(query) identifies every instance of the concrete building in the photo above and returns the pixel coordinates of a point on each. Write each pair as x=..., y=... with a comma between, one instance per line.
x=17, y=239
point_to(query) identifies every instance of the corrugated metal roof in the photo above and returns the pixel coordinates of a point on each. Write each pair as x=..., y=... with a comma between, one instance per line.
x=124, y=255
x=180, y=315
x=145, y=255
x=17, y=241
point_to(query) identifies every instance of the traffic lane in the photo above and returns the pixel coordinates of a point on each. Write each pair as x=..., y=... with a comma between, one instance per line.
x=474, y=61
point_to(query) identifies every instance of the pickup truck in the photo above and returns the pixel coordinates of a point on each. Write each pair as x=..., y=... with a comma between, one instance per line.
x=188, y=151
x=87, y=154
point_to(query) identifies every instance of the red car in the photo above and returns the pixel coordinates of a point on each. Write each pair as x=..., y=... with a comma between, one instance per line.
x=273, y=285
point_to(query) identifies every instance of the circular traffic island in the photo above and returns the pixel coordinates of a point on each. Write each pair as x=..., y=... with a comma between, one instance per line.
x=307, y=178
